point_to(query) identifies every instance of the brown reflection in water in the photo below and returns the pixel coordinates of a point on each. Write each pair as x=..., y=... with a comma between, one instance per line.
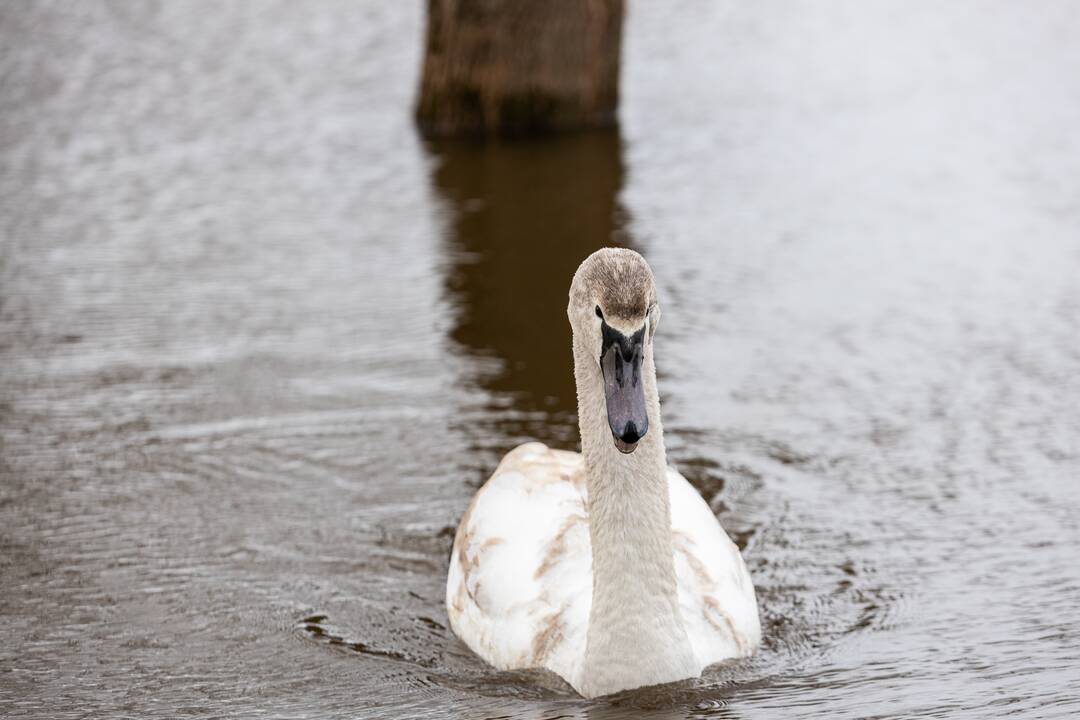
x=525, y=214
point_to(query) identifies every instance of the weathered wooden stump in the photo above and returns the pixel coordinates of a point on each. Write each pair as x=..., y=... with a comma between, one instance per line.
x=513, y=67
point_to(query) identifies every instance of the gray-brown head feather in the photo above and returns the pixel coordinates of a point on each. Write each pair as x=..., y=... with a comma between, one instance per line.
x=617, y=279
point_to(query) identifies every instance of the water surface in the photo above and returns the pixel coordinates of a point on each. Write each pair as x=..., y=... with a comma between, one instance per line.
x=259, y=344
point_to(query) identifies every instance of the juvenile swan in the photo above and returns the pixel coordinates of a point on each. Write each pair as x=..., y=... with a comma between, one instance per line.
x=606, y=567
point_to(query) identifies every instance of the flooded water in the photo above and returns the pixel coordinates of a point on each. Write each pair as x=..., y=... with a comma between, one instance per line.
x=259, y=344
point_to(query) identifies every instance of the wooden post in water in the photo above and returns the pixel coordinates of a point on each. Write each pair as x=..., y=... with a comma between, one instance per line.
x=510, y=67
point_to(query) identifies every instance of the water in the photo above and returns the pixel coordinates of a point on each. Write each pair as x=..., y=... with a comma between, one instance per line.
x=259, y=344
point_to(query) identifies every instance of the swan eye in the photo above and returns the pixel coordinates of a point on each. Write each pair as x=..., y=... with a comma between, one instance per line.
x=599, y=312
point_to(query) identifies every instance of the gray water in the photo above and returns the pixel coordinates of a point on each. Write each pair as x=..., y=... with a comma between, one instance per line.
x=259, y=344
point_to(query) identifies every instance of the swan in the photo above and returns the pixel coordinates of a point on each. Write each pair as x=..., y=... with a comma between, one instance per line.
x=605, y=567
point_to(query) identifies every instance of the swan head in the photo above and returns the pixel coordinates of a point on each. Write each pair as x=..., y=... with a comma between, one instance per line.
x=613, y=310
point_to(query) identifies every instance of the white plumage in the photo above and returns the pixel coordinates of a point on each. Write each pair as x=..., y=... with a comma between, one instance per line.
x=520, y=583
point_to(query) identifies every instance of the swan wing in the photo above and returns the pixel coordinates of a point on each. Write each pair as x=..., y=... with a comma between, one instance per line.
x=519, y=588
x=716, y=595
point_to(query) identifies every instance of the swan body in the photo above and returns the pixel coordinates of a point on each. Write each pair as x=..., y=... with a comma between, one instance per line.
x=520, y=584
x=605, y=567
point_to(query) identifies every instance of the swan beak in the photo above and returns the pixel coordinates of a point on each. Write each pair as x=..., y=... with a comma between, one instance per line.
x=624, y=388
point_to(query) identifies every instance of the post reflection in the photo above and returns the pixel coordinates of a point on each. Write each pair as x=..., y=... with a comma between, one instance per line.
x=523, y=216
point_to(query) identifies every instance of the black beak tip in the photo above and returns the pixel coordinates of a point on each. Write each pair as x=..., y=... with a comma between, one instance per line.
x=630, y=434
x=627, y=440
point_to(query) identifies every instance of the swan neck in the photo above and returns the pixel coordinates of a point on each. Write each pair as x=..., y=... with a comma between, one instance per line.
x=636, y=635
